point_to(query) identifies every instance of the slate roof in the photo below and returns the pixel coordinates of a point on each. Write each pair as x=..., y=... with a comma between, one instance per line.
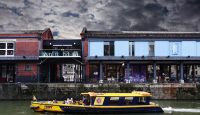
x=137, y=34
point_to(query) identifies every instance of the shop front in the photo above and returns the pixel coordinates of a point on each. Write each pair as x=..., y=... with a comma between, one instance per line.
x=106, y=72
x=136, y=73
x=123, y=72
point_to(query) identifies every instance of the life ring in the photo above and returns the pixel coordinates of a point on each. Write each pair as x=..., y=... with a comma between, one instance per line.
x=99, y=100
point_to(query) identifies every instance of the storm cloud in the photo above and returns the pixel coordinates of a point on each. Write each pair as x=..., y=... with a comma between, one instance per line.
x=66, y=18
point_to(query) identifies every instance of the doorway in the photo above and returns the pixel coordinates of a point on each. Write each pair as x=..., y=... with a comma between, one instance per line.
x=7, y=73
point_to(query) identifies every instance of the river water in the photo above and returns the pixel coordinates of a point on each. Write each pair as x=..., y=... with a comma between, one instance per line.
x=171, y=107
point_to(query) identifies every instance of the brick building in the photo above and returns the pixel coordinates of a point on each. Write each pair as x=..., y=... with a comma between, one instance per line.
x=34, y=56
x=19, y=54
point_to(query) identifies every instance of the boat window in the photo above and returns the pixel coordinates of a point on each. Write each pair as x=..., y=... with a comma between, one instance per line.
x=125, y=101
x=106, y=101
x=147, y=100
x=117, y=101
x=121, y=101
x=135, y=101
x=144, y=100
x=128, y=100
x=114, y=101
x=140, y=100
x=114, y=98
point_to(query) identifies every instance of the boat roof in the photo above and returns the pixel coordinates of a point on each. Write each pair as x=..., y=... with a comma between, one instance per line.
x=132, y=94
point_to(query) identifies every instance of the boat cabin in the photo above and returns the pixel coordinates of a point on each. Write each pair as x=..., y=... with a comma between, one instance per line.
x=116, y=99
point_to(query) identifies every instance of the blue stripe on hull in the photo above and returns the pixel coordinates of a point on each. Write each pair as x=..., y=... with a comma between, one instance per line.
x=113, y=110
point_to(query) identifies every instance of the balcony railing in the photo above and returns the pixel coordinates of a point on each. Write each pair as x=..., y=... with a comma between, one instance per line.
x=60, y=53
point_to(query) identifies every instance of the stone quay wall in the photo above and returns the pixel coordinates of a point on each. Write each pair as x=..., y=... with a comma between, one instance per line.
x=61, y=91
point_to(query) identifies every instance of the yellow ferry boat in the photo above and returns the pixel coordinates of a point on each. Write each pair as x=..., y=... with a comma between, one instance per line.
x=134, y=102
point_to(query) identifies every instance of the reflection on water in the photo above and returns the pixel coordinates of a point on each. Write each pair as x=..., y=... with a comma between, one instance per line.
x=186, y=110
x=171, y=107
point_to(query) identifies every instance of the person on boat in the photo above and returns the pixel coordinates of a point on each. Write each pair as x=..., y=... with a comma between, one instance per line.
x=54, y=101
x=71, y=101
x=66, y=101
x=34, y=98
x=85, y=100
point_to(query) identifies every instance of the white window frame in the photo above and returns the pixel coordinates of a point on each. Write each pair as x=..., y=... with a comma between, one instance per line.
x=152, y=43
x=28, y=67
x=175, y=48
x=131, y=44
x=6, y=49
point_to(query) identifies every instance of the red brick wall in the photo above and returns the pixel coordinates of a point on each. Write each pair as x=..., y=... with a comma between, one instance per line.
x=27, y=47
x=47, y=35
x=22, y=72
x=85, y=48
x=87, y=70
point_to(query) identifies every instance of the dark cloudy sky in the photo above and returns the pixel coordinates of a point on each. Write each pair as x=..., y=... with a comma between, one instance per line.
x=66, y=18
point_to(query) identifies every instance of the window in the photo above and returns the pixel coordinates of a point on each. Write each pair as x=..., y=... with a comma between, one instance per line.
x=175, y=48
x=6, y=49
x=94, y=73
x=28, y=67
x=131, y=48
x=2, y=45
x=151, y=48
x=109, y=48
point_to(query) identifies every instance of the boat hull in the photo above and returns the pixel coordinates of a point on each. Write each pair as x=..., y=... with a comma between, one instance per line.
x=112, y=110
x=37, y=106
x=75, y=108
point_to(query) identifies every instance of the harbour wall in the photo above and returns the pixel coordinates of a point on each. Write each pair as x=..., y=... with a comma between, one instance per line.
x=60, y=91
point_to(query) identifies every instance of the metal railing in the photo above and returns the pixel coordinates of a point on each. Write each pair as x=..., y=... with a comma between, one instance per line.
x=60, y=53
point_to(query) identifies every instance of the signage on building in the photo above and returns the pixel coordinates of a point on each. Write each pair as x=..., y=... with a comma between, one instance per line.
x=60, y=53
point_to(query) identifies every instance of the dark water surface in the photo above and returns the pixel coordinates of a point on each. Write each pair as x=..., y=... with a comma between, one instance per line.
x=171, y=107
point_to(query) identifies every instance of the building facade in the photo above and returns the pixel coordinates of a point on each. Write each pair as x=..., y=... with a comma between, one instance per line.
x=141, y=57
x=34, y=56
x=19, y=55
x=100, y=57
x=60, y=61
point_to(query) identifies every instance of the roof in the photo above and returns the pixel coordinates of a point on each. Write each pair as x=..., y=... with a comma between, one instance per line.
x=132, y=94
x=139, y=34
x=25, y=33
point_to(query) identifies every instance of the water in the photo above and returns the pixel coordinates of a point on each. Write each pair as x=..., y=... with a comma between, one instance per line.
x=170, y=107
